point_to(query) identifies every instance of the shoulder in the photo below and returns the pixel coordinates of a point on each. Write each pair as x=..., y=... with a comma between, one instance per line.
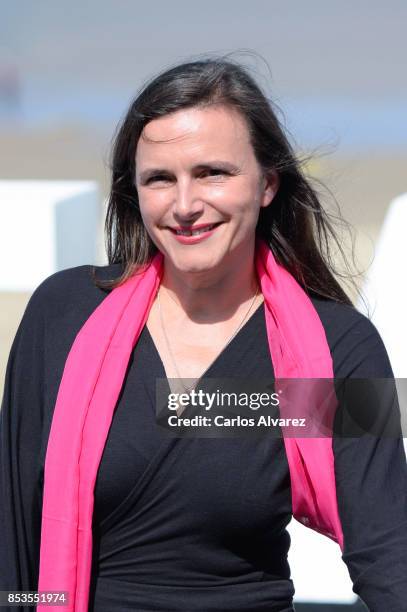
x=71, y=290
x=61, y=304
x=79, y=278
x=356, y=346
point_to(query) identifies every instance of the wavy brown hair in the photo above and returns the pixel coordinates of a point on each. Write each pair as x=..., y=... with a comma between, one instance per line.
x=296, y=227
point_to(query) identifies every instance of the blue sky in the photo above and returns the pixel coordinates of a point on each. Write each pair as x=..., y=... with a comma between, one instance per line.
x=336, y=68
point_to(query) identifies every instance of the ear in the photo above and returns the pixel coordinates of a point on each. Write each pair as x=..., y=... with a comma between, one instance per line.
x=271, y=183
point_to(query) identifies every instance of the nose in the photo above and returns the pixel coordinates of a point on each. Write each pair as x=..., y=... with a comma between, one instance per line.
x=187, y=204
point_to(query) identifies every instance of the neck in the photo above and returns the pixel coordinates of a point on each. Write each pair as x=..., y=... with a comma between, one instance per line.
x=211, y=296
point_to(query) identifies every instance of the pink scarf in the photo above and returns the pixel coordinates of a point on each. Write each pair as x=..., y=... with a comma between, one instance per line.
x=87, y=396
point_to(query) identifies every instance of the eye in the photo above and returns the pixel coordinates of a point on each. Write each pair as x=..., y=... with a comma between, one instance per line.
x=214, y=172
x=157, y=177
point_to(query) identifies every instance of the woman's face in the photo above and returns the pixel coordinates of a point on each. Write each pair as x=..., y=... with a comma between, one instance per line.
x=196, y=167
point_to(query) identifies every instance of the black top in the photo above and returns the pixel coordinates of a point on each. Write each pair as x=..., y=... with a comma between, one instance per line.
x=192, y=523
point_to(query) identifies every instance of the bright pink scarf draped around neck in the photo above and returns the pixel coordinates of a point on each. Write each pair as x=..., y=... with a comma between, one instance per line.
x=89, y=389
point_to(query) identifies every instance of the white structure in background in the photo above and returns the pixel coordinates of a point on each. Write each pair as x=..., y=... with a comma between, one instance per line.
x=386, y=285
x=46, y=226
x=386, y=294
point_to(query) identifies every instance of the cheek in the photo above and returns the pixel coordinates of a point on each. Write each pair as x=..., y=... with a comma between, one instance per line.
x=246, y=202
x=152, y=207
x=237, y=198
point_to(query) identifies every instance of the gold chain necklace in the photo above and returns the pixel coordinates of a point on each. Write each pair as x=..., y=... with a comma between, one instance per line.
x=186, y=389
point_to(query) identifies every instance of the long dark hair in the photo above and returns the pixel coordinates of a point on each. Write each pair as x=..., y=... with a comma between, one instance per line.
x=296, y=226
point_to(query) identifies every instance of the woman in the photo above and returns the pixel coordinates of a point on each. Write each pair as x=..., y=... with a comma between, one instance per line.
x=215, y=250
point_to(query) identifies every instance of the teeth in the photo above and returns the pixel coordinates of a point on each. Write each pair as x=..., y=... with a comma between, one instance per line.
x=194, y=233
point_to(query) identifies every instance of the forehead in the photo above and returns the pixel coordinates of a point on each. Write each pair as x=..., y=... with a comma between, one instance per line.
x=194, y=131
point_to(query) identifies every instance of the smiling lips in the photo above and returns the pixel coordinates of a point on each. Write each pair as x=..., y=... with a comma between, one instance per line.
x=186, y=235
x=195, y=230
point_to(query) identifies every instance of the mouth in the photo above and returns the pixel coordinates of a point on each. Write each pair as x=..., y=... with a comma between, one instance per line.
x=199, y=229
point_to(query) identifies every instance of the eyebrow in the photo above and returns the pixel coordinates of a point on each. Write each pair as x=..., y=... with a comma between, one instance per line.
x=216, y=163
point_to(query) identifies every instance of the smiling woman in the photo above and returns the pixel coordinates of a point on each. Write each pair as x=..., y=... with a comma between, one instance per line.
x=222, y=194
x=219, y=268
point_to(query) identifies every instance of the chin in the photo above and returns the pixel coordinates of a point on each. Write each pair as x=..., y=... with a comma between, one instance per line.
x=194, y=264
x=193, y=268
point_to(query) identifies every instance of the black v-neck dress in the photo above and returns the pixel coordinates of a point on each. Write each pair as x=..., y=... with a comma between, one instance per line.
x=186, y=524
